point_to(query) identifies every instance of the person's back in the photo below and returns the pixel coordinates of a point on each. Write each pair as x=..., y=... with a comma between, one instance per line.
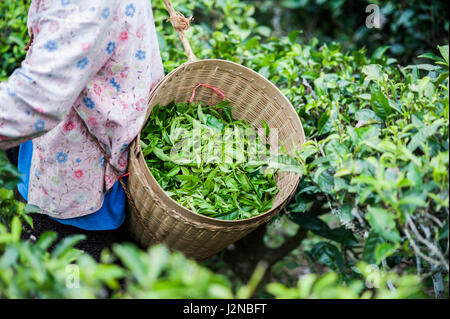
x=91, y=61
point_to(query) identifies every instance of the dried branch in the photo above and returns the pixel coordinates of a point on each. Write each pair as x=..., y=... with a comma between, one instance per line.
x=431, y=246
x=417, y=250
x=251, y=250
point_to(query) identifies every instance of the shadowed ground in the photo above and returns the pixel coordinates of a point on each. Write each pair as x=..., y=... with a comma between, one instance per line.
x=95, y=241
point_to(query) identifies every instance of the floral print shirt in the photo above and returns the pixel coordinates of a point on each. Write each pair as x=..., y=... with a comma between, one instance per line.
x=92, y=61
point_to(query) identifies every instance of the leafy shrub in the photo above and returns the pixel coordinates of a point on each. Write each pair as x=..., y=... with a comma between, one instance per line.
x=378, y=153
x=328, y=287
x=410, y=28
x=377, y=149
x=377, y=141
x=13, y=32
x=9, y=207
x=30, y=270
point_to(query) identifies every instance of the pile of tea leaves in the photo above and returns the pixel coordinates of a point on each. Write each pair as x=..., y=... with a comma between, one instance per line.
x=209, y=162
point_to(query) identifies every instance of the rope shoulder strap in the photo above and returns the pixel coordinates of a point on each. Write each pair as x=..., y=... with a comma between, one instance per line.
x=107, y=159
x=180, y=23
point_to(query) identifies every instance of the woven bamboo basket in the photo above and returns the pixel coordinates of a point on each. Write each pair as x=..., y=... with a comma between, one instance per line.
x=157, y=218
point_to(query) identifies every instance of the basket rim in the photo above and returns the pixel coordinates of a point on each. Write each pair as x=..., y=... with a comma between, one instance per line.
x=138, y=150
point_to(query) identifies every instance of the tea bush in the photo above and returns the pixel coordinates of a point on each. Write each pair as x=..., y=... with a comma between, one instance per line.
x=375, y=168
x=377, y=140
x=13, y=34
x=30, y=270
x=408, y=27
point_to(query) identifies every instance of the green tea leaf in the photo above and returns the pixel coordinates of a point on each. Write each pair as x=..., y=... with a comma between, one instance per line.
x=383, y=251
x=383, y=223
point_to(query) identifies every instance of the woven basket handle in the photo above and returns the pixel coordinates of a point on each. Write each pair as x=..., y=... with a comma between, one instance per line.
x=180, y=23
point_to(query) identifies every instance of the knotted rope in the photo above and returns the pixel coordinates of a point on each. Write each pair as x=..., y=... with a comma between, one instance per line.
x=180, y=23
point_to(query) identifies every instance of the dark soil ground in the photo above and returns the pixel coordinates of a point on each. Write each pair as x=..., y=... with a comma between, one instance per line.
x=94, y=243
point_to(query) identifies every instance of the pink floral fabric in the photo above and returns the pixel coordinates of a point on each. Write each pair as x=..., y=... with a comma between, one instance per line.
x=91, y=61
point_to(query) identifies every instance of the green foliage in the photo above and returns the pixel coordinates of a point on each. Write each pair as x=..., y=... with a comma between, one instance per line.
x=9, y=176
x=384, y=163
x=33, y=270
x=387, y=286
x=9, y=207
x=158, y=274
x=377, y=137
x=408, y=28
x=13, y=35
